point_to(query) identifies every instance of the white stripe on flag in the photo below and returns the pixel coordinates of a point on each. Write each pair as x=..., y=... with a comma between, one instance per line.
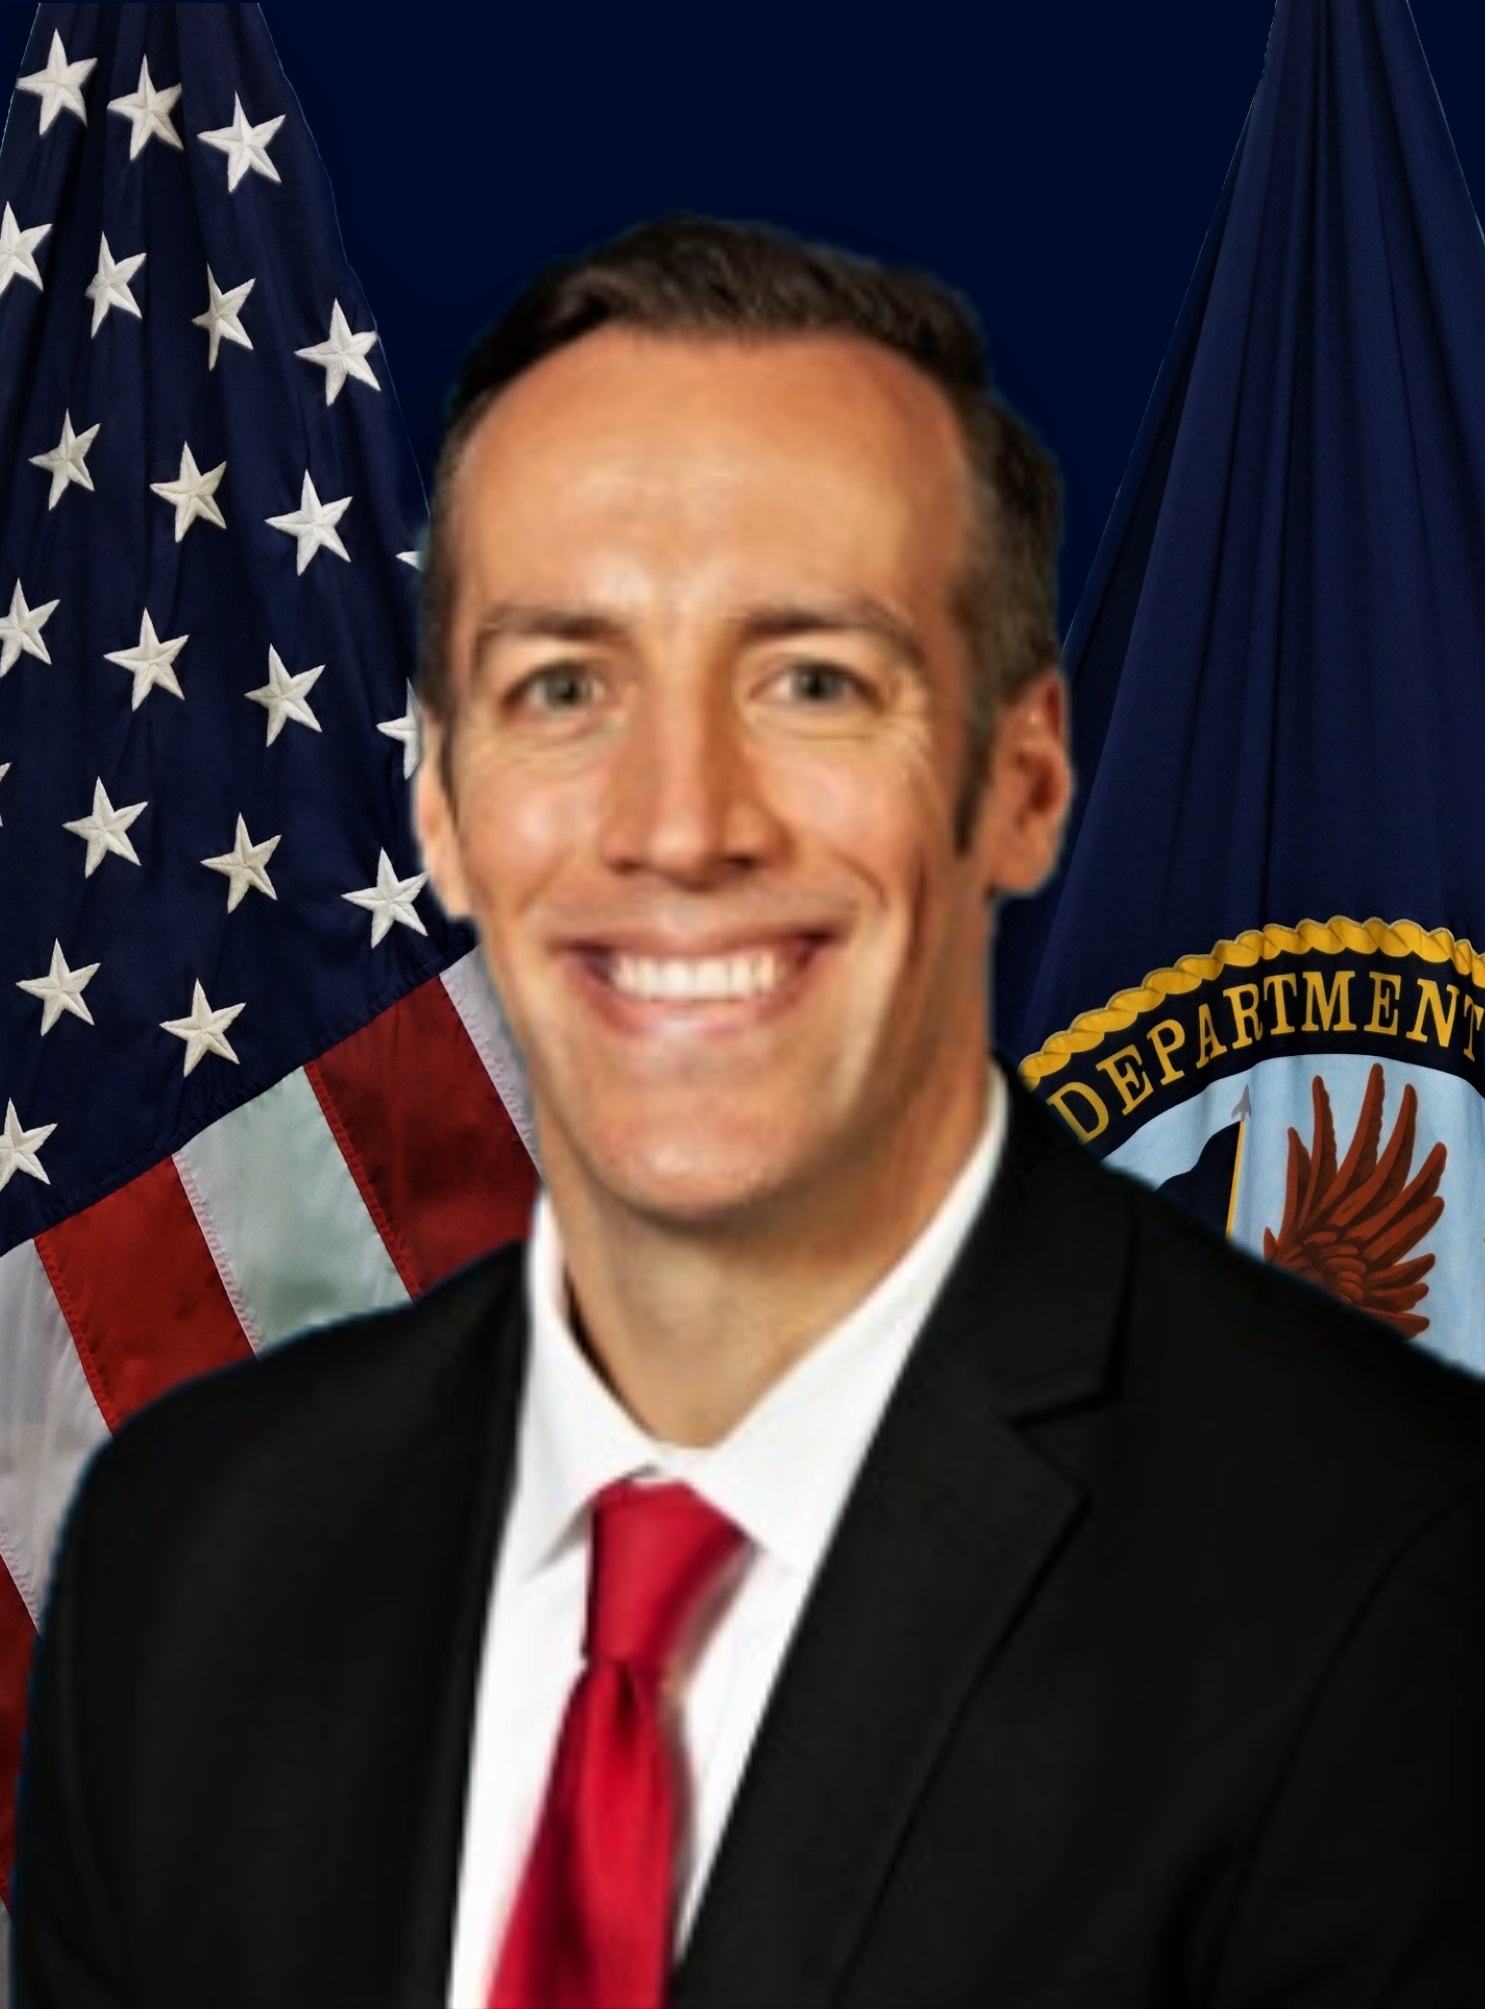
x=283, y=1217
x=49, y=1421
x=473, y=997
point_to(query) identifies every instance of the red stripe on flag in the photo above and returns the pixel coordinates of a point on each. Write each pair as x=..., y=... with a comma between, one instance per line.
x=428, y=1140
x=17, y=1636
x=140, y=1292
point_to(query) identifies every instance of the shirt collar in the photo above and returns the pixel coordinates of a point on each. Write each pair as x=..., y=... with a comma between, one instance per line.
x=783, y=1474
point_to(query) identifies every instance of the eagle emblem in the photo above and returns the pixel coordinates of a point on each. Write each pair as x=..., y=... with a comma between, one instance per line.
x=1350, y=1227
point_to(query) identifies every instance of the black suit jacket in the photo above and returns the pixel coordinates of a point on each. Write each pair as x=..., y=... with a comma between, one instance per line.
x=1147, y=1666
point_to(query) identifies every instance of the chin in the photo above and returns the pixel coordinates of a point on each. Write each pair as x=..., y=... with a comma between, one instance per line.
x=671, y=1182
x=697, y=1197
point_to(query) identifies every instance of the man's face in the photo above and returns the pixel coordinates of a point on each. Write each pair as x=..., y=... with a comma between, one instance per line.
x=707, y=737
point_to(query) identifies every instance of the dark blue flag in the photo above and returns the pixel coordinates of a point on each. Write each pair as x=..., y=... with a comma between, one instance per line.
x=1257, y=980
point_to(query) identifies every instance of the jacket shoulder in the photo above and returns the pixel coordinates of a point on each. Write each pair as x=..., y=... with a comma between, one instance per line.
x=360, y=1358
x=327, y=1411
x=1213, y=1332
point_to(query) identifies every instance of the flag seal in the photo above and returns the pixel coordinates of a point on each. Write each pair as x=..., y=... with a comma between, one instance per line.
x=1306, y=1089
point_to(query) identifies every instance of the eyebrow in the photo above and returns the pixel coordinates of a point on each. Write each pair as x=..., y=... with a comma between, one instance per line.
x=859, y=614
x=754, y=623
x=534, y=621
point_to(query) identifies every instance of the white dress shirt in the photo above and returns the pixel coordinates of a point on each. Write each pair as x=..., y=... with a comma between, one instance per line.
x=782, y=1477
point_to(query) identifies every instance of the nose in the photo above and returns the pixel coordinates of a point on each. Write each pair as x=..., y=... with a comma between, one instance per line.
x=686, y=797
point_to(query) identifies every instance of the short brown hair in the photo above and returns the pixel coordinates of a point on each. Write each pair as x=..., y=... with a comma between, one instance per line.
x=696, y=276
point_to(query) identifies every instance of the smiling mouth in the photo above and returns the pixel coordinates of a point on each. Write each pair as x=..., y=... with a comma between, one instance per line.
x=698, y=979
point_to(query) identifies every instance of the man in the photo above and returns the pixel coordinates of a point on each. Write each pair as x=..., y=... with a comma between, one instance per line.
x=1071, y=1612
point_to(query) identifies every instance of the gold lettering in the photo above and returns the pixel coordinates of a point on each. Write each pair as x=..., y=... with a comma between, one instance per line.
x=1130, y=1079
x=1058, y=1100
x=1209, y=1046
x=1243, y=999
x=1275, y=988
x=1384, y=1013
x=1332, y=1004
x=1429, y=1000
x=1164, y=1048
x=1476, y=1013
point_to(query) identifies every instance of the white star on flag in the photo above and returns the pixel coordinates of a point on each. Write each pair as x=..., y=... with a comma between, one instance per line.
x=313, y=524
x=221, y=319
x=148, y=111
x=68, y=460
x=342, y=355
x=61, y=989
x=407, y=730
x=413, y=558
x=18, y=1148
x=245, y=865
x=109, y=285
x=390, y=899
x=106, y=830
x=245, y=146
x=58, y=85
x=4, y=770
x=204, y=1030
x=16, y=248
x=191, y=492
x=150, y=661
x=283, y=696
x=21, y=629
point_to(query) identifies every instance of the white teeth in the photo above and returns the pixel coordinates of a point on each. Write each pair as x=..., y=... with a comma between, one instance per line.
x=705, y=977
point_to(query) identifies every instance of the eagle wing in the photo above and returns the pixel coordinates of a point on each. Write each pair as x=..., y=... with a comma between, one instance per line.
x=1349, y=1227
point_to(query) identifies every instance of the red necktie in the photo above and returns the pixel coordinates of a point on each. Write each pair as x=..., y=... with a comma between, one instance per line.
x=591, y=1925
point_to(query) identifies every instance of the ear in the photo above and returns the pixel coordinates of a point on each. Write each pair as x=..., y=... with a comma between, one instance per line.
x=1018, y=830
x=436, y=826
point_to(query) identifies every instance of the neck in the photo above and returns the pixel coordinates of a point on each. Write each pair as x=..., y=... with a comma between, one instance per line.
x=692, y=1323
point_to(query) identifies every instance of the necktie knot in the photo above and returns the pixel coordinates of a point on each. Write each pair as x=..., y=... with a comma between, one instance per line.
x=656, y=1551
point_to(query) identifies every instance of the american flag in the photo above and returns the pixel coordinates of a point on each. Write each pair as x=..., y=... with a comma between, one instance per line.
x=250, y=1077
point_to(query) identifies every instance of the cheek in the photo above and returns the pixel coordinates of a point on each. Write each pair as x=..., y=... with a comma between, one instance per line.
x=891, y=826
x=516, y=833
x=882, y=813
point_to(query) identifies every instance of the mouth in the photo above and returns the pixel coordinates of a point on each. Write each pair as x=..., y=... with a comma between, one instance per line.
x=741, y=983
x=749, y=973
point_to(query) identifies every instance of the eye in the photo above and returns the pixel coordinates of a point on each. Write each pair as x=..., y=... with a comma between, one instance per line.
x=823, y=684
x=557, y=687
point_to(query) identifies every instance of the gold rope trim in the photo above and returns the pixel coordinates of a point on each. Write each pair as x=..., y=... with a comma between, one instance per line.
x=1254, y=945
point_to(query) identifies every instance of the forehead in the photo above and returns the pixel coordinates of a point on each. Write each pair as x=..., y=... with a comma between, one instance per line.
x=708, y=454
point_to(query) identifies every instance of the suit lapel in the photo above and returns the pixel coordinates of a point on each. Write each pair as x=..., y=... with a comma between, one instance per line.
x=954, y=1524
